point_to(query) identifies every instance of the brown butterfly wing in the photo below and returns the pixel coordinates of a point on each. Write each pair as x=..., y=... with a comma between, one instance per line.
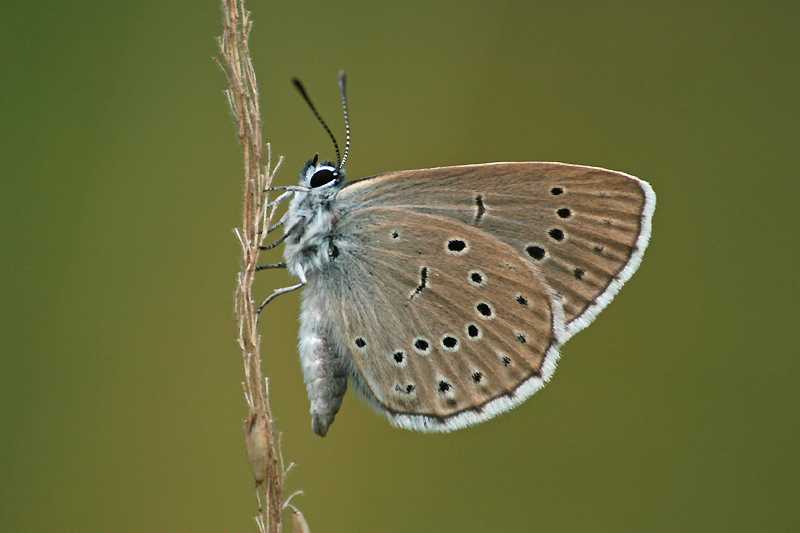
x=445, y=325
x=584, y=228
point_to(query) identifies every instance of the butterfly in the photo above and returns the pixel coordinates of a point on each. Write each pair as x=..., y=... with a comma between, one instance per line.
x=444, y=294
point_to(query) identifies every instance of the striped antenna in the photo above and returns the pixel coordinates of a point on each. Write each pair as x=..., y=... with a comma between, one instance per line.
x=342, y=80
x=302, y=91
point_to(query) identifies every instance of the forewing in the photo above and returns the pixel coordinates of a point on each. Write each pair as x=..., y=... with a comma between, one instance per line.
x=584, y=228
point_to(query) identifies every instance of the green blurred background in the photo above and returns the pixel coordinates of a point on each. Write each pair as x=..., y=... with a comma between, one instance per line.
x=120, y=400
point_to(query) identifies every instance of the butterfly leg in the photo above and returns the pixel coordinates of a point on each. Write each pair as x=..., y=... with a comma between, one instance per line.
x=279, y=223
x=275, y=226
x=267, y=267
x=276, y=243
x=282, y=237
x=273, y=205
x=278, y=292
x=279, y=199
x=290, y=188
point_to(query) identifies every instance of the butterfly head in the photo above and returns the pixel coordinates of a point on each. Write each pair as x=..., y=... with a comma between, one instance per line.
x=323, y=178
x=321, y=175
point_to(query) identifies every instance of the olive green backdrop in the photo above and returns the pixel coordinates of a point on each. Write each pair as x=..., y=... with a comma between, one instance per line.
x=120, y=400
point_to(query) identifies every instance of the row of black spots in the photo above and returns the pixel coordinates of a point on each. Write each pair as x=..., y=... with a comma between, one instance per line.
x=422, y=346
x=443, y=385
x=477, y=278
x=538, y=252
x=577, y=272
x=456, y=246
x=446, y=388
x=486, y=312
x=516, y=361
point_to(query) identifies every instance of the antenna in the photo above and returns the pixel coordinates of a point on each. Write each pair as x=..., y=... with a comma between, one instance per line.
x=302, y=91
x=342, y=80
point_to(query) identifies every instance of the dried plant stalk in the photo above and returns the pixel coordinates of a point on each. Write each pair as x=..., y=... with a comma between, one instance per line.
x=261, y=438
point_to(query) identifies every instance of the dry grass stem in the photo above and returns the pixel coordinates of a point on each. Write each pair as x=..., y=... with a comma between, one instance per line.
x=261, y=438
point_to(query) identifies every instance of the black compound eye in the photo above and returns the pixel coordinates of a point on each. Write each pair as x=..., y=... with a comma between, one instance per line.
x=321, y=177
